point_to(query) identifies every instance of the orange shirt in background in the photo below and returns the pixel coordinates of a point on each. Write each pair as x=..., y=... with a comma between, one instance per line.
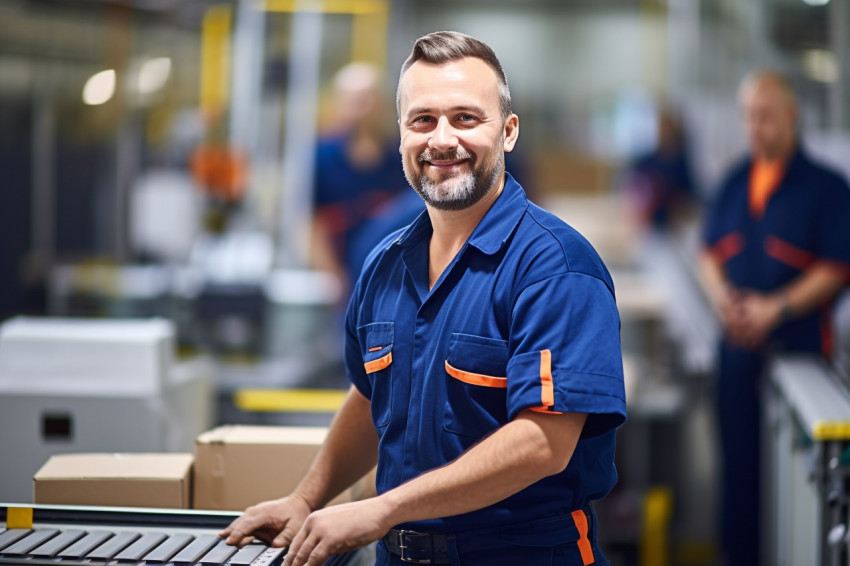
x=764, y=180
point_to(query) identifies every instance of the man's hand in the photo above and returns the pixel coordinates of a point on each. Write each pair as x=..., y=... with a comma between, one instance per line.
x=337, y=529
x=729, y=306
x=756, y=315
x=274, y=522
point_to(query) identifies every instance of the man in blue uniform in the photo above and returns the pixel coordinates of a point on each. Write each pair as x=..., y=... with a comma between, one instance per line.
x=483, y=348
x=777, y=251
x=356, y=172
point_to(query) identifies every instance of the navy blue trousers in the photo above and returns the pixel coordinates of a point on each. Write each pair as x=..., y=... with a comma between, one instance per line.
x=739, y=416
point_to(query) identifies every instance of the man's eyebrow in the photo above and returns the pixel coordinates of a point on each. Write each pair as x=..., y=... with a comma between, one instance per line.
x=471, y=108
x=418, y=110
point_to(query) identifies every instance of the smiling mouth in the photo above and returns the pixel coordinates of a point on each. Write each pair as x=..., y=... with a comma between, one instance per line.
x=446, y=165
x=448, y=161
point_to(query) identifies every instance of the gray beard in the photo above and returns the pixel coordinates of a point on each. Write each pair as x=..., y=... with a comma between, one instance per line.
x=464, y=192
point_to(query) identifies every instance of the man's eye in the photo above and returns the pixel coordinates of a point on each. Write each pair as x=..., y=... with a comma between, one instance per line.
x=422, y=120
x=466, y=117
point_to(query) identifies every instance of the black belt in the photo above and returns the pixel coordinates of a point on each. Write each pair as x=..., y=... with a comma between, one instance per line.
x=418, y=548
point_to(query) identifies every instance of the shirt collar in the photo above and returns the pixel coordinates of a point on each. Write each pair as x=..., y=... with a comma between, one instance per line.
x=492, y=231
x=797, y=156
x=500, y=221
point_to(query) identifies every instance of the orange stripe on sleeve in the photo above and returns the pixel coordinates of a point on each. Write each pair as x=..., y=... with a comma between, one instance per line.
x=379, y=364
x=727, y=247
x=788, y=254
x=476, y=378
x=547, y=390
x=583, y=542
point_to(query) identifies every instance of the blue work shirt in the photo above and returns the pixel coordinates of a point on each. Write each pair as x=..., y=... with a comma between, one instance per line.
x=806, y=221
x=523, y=317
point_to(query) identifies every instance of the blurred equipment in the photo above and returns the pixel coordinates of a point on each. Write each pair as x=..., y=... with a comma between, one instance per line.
x=807, y=471
x=164, y=215
x=78, y=385
x=302, y=317
x=230, y=306
x=220, y=171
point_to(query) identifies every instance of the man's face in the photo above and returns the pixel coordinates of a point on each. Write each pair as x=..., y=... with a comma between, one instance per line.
x=768, y=119
x=453, y=137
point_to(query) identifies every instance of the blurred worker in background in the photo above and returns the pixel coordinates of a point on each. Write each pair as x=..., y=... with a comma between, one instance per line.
x=357, y=170
x=777, y=251
x=491, y=415
x=659, y=184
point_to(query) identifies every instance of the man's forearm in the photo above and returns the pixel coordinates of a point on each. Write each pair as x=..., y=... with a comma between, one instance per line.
x=714, y=281
x=812, y=289
x=350, y=450
x=522, y=452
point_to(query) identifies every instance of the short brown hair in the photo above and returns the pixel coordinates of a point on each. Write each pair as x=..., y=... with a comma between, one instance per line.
x=443, y=46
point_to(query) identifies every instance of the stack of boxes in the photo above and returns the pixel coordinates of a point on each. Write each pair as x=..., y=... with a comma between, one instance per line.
x=233, y=467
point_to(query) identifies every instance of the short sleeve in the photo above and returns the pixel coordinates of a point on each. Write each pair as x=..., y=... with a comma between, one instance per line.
x=565, y=351
x=352, y=350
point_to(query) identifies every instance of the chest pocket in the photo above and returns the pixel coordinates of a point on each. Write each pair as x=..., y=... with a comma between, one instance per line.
x=476, y=387
x=376, y=343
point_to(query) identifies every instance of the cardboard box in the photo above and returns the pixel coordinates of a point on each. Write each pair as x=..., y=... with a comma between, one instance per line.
x=237, y=466
x=122, y=480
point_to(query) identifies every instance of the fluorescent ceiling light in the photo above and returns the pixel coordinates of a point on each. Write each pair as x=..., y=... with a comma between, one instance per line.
x=153, y=74
x=99, y=88
x=820, y=65
x=816, y=2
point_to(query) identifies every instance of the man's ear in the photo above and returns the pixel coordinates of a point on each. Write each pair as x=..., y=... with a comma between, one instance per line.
x=511, y=132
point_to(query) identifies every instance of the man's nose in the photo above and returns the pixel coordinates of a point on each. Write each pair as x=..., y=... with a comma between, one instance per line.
x=443, y=136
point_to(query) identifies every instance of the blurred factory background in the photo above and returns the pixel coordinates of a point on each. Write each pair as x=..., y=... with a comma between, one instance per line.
x=157, y=165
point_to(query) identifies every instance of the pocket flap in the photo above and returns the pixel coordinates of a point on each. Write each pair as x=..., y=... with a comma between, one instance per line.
x=376, y=342
x=476, y=378
x=478, y=360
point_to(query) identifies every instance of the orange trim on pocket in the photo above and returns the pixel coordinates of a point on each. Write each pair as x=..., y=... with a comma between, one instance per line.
x=547, y=389
x=583, y=542
x=476, y=378
x=379, y=364
x=788, y=254
x=374, y=348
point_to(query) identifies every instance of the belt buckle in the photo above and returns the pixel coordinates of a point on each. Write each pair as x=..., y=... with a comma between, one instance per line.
x=402, y=546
